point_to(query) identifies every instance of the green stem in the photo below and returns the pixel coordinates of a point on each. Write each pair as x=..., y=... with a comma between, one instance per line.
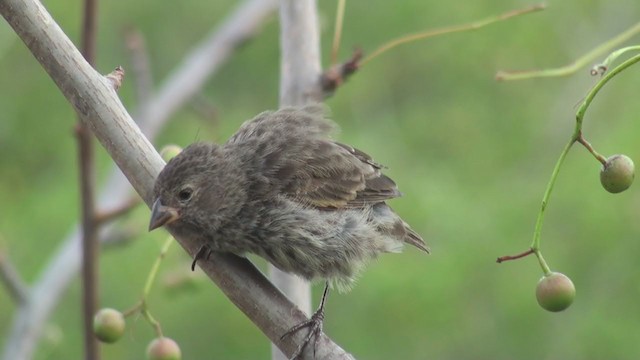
x=577, y=136
x=156, y=325
x=535, y=245
x=596, y=88
x=543, y=264
x=141, y=306
x=155, y=267
x=606, y=64
x=593, y=152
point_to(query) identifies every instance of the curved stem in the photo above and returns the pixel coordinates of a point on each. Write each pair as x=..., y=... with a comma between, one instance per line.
x=156, y=325
x=577, y=136
x=535, y=245
x=141, y=306
x=606, y=64
x=593, y=152
x=600, y=84
x=543, y=264
x=574, y=66
x=448, y=30
x=154, y=268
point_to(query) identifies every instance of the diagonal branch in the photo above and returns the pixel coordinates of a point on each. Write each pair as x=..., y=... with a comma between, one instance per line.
x=97, y=104
x=57, y=274
x=14, y=284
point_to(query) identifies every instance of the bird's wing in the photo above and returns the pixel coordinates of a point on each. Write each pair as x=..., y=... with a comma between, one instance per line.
x=334, y=175
x=292, y=154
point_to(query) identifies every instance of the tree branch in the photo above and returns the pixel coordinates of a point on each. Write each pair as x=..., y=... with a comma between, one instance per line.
x=87, y=174
x=97, y=104
x=56, y=276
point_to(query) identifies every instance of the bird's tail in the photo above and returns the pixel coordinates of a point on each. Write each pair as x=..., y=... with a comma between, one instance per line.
x=390, y=224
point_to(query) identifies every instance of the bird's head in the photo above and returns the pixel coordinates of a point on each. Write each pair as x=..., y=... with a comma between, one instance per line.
x=198, y=190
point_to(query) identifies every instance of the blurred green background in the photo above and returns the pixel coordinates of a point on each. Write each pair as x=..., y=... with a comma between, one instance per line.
x=471, y=155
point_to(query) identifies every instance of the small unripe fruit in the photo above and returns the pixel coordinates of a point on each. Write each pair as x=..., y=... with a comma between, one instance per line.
x=555, y=292
x=108, y=325
x=163, y=348
x=170, y=151
x=617, y=173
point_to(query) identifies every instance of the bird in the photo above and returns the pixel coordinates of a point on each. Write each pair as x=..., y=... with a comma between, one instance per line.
x=282, y=188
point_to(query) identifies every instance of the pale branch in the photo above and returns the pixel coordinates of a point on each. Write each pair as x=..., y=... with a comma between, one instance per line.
x=299, y=84
x=62, y=267
x=97, y=104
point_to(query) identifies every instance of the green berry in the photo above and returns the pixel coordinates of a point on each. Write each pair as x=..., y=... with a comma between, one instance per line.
x=163, y=348
x=617, y=173
x=108, y=325
x=555, y=292
x=170, y=151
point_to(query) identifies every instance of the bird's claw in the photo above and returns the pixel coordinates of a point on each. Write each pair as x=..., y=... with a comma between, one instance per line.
x=315, y=329
x=203, y=253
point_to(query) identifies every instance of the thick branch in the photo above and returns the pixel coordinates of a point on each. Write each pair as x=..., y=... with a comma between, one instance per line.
x=96, y=102
x=56, y=275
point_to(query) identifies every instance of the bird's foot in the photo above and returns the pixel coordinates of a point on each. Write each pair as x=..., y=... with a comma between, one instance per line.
x=315, y=329
x=203, y=253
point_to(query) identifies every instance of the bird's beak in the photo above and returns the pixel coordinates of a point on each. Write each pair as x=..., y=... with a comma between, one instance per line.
x=162, y=215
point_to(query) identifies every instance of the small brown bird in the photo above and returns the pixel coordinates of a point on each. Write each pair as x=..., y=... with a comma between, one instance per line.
x=281, y=188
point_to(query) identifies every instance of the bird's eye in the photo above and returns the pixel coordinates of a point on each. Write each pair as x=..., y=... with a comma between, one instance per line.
x=185, y=194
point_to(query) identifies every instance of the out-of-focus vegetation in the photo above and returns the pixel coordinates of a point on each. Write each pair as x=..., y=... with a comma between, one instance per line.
x=472, y=157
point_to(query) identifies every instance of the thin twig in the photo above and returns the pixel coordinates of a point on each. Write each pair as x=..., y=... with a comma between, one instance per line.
x=14, y=284
x=337, y=32
x=514, y=257
x=579, y=63
x=107, y=216
x=87, y=193
x=590, y=148
x=450, y=29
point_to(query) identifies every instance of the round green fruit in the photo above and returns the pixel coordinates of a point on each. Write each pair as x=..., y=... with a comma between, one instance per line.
x=170, y=151
x=617, y=173
x=163, y=348
x=555, y=292
x=108, y=325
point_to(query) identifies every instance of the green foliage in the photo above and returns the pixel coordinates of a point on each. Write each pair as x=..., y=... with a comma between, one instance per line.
x=472, y=157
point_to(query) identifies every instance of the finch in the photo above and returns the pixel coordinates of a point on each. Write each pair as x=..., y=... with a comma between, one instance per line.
x=283, y=189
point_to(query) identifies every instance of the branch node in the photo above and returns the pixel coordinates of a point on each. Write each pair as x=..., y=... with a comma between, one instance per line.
x=338, y=74
x=116, y=77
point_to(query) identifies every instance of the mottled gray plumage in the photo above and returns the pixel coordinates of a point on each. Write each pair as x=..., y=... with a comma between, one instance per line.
x=281, y=188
